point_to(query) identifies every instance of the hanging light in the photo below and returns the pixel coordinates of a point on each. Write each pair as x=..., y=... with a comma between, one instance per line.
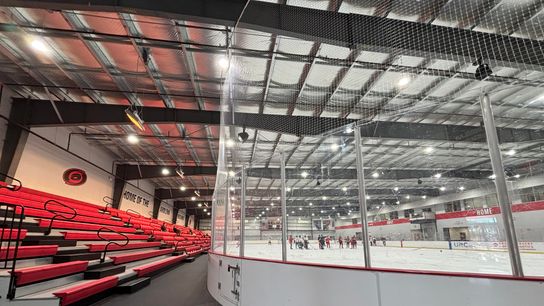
x=135, y=118
x=243, y=136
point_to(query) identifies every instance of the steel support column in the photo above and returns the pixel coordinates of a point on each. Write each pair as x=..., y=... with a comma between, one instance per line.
x=283, y=210
x=500, y=184
x=362, y=196
x=118, y=188
x=156, y=206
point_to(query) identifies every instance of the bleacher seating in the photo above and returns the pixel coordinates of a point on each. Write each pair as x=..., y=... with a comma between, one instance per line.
x=133, y=239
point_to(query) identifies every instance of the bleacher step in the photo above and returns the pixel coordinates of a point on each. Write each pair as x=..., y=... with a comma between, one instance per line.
x=134, y=285
x=60, y=243
x=103, y=272
x=72, y=250
x=190, y=259
x=72, y=257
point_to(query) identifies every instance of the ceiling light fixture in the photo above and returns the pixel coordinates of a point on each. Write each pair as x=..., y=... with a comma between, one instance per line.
x=165, y=171
x=243, y=136
x=511, y=152
x=38, y=45
x=133, y=139
x=462, y=188
x=223, y=62
x=517, y=176
x=404, y=81
x=429, y=150
x=135, y=118
x=442, y=188
x=375, y=175
x=349, y=130
x=334, y=147
x=193, y=198
x=423, y=197
x=304, y=174
x=229, y=143
x=232, y=173
x=396, y=189
x=492, y=176
x=182, y=188
x=180, y=173
x=438, y=175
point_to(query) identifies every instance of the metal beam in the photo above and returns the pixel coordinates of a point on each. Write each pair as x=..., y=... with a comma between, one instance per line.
x=305, y=23
x=167, y=193
x=336, y=174
x=40, y=113
x=137, y=172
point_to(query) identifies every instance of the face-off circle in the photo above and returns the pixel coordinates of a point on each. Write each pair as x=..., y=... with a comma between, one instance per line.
x=74, y=177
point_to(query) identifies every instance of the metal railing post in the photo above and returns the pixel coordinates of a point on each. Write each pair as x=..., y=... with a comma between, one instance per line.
x=500, y=185
x=362, y=195
x=283, y=211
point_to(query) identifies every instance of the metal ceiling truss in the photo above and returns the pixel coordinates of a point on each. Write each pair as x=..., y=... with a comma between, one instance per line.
x=305, y=23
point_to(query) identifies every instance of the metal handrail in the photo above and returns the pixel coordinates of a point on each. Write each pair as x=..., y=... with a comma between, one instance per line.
x=58, y=214
x=128, y=211
x=12, y=187
x=110, y=242
x=109, y=203
x=10, y=218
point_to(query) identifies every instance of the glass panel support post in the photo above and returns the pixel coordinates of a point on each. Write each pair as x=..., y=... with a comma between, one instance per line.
x=243, y=212
x=226, y=218
x=500, y=185
x=362, y=195
x=283, y=210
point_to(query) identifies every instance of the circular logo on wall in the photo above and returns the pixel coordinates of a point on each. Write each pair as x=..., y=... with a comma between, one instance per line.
x=74, y=177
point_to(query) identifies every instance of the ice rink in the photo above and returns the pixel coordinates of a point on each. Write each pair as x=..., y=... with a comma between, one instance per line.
x=470, y=261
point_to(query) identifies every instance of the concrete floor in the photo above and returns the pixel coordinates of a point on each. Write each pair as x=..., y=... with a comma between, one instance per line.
x=184, y=285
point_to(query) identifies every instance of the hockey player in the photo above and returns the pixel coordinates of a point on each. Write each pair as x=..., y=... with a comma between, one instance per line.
x=340, y=242
x=328, y=242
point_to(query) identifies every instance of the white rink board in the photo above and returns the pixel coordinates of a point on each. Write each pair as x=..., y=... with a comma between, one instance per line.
x=271, y=284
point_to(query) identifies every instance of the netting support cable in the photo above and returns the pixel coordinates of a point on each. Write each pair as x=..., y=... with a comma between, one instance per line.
x=362, y=196
x=283, y=210
x=500, y=185
x=243, y=212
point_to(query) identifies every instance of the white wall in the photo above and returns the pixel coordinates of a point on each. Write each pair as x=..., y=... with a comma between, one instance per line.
x=42, y=166
x=140, y=200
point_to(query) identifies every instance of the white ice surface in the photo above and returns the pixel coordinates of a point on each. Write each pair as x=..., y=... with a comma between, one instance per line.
x=469, y=261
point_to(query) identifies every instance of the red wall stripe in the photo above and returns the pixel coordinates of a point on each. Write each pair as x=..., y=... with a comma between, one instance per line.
x=522, y=207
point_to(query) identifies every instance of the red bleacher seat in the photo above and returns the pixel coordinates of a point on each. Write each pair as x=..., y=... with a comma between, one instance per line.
x=12, y=233
x=73, y=294
x=29, y=251
x=114, y=247
x=83, y=226
x=120, y=259
x=38, y=273
x=152, y=267
x=94, y=236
